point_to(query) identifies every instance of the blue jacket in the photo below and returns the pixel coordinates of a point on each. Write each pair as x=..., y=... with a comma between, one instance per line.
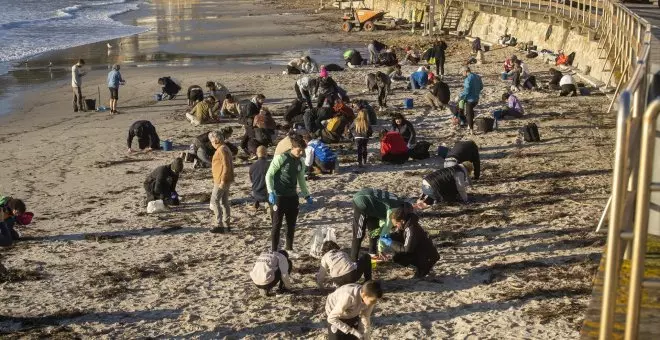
x=421, y=78
x=322, y=151
x=472, y=87
x=114, y=77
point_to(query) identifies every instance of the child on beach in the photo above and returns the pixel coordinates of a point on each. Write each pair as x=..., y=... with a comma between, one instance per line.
x=349, y=310
x=272, y=269
x=338, y=269
x=319, y=158
x=361, y=131
x=258, y=177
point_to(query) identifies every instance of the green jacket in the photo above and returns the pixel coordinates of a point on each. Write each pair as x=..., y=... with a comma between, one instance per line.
x=378, y=204
x=285, y=174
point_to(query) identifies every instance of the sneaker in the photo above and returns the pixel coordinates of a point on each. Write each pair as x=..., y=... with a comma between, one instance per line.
x=292, y=254
x=196, y=163
x=218, y=230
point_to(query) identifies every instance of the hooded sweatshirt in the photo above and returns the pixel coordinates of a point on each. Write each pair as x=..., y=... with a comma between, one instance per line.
x=267, y=264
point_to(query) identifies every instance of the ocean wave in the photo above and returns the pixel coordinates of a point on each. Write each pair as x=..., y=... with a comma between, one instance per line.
x=66, y=13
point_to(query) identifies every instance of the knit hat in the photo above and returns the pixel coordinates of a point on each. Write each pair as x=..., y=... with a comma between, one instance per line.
x=177, y=165
x=323, y=73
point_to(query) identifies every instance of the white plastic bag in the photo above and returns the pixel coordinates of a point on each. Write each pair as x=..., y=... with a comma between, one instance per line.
x=156, y=207
x=321, y=234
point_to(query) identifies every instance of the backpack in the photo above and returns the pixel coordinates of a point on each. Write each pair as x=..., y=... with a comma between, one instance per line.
x=420, y=150
x=323, y=152
x=530, y=133
x=333, y=124
x=484, y=124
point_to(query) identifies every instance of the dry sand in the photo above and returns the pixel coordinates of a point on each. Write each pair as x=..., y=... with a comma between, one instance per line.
x=516, y=263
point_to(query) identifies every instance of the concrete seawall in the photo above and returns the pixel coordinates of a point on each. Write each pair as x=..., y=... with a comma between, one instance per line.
x=546, y=33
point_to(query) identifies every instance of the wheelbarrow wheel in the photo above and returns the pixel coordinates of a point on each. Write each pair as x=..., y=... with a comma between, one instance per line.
x=369, y=26
x=346, y=26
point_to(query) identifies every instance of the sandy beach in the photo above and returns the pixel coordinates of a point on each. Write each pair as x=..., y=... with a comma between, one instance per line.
x=516, y=263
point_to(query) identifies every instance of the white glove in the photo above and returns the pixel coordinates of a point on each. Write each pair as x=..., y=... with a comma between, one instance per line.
x=357, y=334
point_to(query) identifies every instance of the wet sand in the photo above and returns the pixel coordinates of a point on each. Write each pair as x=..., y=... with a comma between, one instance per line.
x=515, y=263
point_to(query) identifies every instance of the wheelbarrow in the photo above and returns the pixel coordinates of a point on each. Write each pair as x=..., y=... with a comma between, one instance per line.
x=365, y=19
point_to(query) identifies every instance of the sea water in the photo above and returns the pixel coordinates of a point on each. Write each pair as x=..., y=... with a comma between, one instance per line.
x=31, y=27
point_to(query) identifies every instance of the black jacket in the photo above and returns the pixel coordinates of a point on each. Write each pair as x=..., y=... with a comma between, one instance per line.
x=556, y=77
x=258, y=178
x=406, y=130
x=441, y=90
x=415, y=239
x=379, y=46
x=145, y=133
x=203, y=141
x=161, y=182
x=356, y=59
x=170, y=87
x=247, y=113
x=327, y=86
x=443, y=184
x=467, y=151
x=439, y=50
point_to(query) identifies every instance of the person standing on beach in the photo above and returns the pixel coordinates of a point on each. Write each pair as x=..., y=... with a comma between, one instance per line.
x=76, y=84
x=439, y=54
x=114, y=80
x=246, y=113
x=223, y=175
x=349, y=310
x=285, y=173
x=472, y=86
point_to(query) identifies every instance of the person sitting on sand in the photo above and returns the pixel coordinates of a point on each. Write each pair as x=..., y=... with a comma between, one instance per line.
x=410, y=243
x=556, y=75
x=406, y=129
x=146, y=134
x=306, y=88
x=380, y=82
x=222, y=169
x=257, y=174
x=319, y=158
x=202, y=112
x=371, y=215
x=349, y=310
x=393, y=148
x=195, y=95
x=438, y=95
x=272, y=269
x=285, y=174
x=446, y=185
x=419, y=78
x=514, y=107
x=338, y=269
x=229, y=107
x=353, y=58
x=161, y=183
x=169, y=88
x=509, y=63
x=464, y=151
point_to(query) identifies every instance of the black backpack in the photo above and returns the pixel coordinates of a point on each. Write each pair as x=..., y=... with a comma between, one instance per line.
x=530, y=133
x=484, y=124
x=293, y=110
x=420, y=150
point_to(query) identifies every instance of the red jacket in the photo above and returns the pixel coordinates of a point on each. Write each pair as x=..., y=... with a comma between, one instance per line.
x=393, y=143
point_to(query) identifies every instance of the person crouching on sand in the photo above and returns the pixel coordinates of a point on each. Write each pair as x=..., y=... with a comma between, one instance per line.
x=272, y=269
x=446, y=185
x=338, y=269
x=146, y=134
x=410, y=243
x=349, y=310
x=161, y=183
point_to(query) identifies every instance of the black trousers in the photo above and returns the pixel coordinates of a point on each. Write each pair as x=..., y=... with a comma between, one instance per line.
x=422, y=261
x=286, y=207
x=361, y=146
x=567, y=89
x=303, y=95
x=363, y=269
x=322, y=97
x=469, y=113
x=249, y=134
x=278, y=279
x=394, y=158
x=363, y=225
x=439, y=66
x=382, y=96
x=353, y=322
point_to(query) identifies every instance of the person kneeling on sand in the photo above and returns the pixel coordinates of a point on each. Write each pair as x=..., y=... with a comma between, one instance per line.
x=438, y=95
x=410, y=243
x=349, y=310
x=229, y=107
x=393, y=148
x=161, y=183
x=337, y=268
x=567, y=86
x=222, y=169
x=353, y=58
x=319, y=158
x=272, y=269
x=514, y=107
x=446, y=185
x=406, y=129
x=12, y=212
x=146, y=134
x=169, y=88
x=464, y=151
x=202, y=112
x=419, y=79
x=257, y=173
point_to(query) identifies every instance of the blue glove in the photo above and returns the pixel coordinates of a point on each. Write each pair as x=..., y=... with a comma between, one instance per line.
x=386, y=240
x=271, y=198
x=309, y=200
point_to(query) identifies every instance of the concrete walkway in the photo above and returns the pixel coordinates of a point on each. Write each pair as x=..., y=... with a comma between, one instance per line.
x=650, y=12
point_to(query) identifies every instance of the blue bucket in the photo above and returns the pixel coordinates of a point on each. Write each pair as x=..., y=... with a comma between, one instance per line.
x=505, y=76
x=408, y=103
x=158, y=97
x=166, y=145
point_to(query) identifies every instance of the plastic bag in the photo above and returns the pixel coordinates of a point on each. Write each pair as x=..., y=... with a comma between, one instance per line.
x=156, y=207
x=321, y=235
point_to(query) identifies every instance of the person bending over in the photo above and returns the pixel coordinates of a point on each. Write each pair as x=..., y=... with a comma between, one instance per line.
x=338, y=269
x=195, y=94
x=161, y=183
x=272, y=269
x=146, y=135
x=464, y=151
x=513, y=106
x=410, y=243
x=229, y=107
x=247, y=112
x=319, y=158
x=567, y=86
x=349, y=310
x=446, y=185
x=438, y=95
x=169, y=89
x=306, y=88
x=380, y=82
